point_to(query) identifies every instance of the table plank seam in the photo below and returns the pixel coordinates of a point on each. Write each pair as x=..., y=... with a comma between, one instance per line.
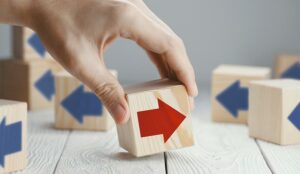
x=62, y=152
x=166, y=162
x=268, y=163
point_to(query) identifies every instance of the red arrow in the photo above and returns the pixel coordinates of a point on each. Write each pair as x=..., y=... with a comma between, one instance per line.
x=164, y=120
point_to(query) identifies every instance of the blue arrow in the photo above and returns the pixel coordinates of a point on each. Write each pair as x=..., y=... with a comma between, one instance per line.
x=292, y=72
x=45, y=84
x=234, y=98
x=11, y=139
x=35, y=42
x=80, y=103
x=294, y=117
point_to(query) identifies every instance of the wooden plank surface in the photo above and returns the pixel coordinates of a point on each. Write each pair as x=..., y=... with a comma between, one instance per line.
x=281, y=159
x=45, y=144
x=99, y=152
x=220, y=148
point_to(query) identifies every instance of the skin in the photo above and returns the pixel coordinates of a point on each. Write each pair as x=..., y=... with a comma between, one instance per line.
x=77, y=32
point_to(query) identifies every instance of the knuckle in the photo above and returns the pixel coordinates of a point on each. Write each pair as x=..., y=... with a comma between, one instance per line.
x=121, y=9
x=107, y=93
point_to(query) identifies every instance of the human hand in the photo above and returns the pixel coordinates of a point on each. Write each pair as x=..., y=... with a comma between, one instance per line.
x=76, y=33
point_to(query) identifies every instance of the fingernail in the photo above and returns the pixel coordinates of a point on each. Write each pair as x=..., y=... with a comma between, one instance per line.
x=119, y=114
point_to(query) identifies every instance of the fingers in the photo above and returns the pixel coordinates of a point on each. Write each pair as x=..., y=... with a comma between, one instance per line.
x=112, y=95
x=169, y=47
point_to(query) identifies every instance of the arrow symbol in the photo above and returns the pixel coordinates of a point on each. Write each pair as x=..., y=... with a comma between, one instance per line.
x=164, y=120
x=80, y=103
x=234, y=98
x=35, y=42
x=45, y=85
x=11, y=139
x=292, y=72
x=294, y=117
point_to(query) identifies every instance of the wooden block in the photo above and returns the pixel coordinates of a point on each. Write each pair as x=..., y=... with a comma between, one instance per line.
x=76, y=107
x=13, y=136
x=274, y=113
x=27, y=46
x=288, y=66
x=230, y=91
x=160, y=118
x=31, y=82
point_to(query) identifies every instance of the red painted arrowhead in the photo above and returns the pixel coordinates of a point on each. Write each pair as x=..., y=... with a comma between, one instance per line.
x=164, y=120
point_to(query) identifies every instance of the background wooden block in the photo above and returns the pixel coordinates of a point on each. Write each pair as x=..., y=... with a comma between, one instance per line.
x=13, y=136
x=31, y=82
x=27, y=45
x=274, y=113
x=160, y=118
x=230, y=91
x=288, y=66
x=77, y=107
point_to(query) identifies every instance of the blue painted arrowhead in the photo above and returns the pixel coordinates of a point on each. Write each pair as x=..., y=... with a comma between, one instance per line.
x=234, y=98
x=80, y=103
x=292, y=72
x=35, y=42
x=45, y=85
x=294, y=117
x=11, y=139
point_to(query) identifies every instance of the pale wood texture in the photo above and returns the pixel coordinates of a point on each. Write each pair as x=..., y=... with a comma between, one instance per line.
x=226, y=75
x=271, y=103
x=282, y=159
x=14, y=112
x=45, y=143
x=19, y=77
x=21, y=48
x=144, y=97
x=65, y=85
x=219, y=148
x=99, y=152
x=283, y=62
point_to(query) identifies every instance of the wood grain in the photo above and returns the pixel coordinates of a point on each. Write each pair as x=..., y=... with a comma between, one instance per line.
x=99, y=152
x=282, y=159
x=14, y=112
x=21, y=48
x=45, y=144
x=144, y=97
x=226, y=75
x=220, y=148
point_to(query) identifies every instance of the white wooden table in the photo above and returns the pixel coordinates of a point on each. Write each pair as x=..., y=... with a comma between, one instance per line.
x=220, y=148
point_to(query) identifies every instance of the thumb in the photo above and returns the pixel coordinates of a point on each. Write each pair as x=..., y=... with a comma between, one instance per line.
x=109, y=90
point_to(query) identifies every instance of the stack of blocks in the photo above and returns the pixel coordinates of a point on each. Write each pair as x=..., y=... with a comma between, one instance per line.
x=13, y=127
x=274, y=113
x=160, y=118
x=230, y=90
x=77, y=107
x=288, y=66
x=28, y=76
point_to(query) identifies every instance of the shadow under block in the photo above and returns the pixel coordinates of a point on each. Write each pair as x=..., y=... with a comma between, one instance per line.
x=230, y=91
x=13, y=136
x=288, y=66
x=160, y=118
x=31, y=82
x=77, y=107
x=274, y=113
x=27, y=45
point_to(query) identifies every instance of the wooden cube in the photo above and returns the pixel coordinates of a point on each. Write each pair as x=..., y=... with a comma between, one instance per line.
x=288, y=66
x=31, y=82
x=13, y=136
x=27, y=45
x=160, y=118
x=77, y=107
x=230, y=91
x=274, y=113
